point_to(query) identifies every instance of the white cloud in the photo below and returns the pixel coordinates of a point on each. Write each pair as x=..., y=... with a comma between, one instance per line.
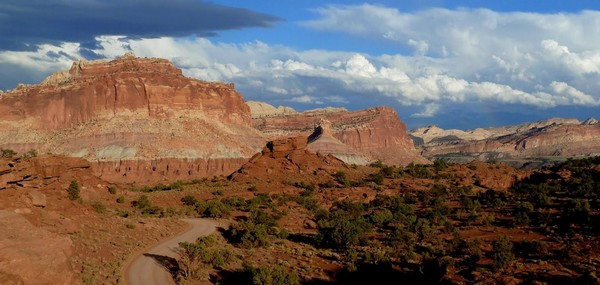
x=429, y=111
x=464, y=55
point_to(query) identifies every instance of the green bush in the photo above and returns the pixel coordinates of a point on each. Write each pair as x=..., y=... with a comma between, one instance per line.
x=121, y=199
x=73, y=191
x=99, y=207
x=7, y=152
x=29, y=154
x=341, y=229
x=277, y=275
x=112, y=190
x=440, y=165
x=502, y=254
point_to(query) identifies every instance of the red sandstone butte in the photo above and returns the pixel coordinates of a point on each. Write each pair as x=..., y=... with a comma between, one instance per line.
x=134, y=119
x=355, y=137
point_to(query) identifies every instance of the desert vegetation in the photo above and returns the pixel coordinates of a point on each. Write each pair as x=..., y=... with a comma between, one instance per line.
x=420, y=223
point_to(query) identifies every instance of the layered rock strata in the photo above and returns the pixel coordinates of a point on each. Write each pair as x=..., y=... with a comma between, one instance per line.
x=550, y=138
x=356, y=137
x=132, y=114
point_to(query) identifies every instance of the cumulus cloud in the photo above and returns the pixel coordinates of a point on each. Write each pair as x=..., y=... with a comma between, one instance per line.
x=25, y=23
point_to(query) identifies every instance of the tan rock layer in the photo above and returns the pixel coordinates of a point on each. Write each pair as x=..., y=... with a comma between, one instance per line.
x=375, y=133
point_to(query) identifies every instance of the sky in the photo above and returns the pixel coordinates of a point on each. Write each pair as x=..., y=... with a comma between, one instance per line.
x=455, y=64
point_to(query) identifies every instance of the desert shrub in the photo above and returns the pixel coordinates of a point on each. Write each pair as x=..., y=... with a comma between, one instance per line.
x=235, y=203
x=202, y=254
x=528, y=249
x=417, y=171
x=99, y=207
x=123, y=213
x=342, y=179
x=112, y=190
x=469, y=205
x=29, y=154
x=213, y=209
x=440, y=165
x=189, y=200
x=305, y=186
x=218, y=192
x=7, y=152
x=388, y=171
x=576, y=211
x=377, y=178
x=521, y=213
x=253, y=188
x=381, y=218
x=73, y=190
x=434, y=268
x=502, y=255
x=121, y=199
x=258, y=230
x=341, y=229
x=377, y=164
x=277, y=275
x=145, y=207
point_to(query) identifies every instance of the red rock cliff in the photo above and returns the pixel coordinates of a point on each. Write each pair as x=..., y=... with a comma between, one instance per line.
x=129, y=115
x=376, y=133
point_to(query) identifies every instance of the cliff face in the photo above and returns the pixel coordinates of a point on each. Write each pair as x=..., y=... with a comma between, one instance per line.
x=365, y=135
x=131, y=113
x=140, y=119
x=554, y=137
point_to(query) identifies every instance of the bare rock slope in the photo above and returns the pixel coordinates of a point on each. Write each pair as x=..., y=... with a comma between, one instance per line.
x=355, y=137
x=554, y=137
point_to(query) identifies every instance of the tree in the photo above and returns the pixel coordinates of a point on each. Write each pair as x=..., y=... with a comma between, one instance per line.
x=503, y=254
x=73, y=190
x=189, y=260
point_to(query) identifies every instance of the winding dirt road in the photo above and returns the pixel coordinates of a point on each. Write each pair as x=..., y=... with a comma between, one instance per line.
x=151, y=267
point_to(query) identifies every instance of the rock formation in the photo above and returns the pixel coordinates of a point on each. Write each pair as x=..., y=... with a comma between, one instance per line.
x=32, y=255
x=355, y=137
x=553, y=137
x=140, y=119
x=131, y=115
x=289, y=157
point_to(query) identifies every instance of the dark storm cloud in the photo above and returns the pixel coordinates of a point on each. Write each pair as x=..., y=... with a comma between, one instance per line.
x=26, y=23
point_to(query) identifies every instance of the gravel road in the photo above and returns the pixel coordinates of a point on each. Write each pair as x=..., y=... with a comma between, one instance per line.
x=150, y=267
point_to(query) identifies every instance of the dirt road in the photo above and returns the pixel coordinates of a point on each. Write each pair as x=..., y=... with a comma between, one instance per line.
x=151, y=267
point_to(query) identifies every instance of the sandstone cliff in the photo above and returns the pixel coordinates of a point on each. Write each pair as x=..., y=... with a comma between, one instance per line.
x=554, y=137
x=140, y=119
x=355, y=137
x=131, y=115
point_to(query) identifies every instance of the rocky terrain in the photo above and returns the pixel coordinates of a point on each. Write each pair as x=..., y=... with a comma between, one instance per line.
x=356, y=137
x=559, y=138
x=140, y=119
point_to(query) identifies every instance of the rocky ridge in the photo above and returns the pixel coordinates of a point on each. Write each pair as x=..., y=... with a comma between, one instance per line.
x=353, y=136
x=549, y=138
x=140, y=119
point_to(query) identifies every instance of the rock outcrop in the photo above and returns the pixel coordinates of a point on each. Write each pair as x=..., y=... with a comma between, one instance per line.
x=133, y=114
x=289, y=158
x=355, y=137
x=32, y=255
x=554, y=137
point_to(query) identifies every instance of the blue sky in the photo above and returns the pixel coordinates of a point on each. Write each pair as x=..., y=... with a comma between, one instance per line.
x=456, y=64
